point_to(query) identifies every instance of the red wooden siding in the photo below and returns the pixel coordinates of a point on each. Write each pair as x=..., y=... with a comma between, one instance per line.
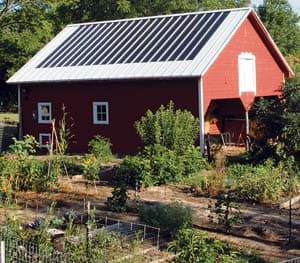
x=128, y=101
x=221, y=80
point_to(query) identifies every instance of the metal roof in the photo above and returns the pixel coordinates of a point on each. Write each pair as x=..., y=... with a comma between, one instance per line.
x=181, y=45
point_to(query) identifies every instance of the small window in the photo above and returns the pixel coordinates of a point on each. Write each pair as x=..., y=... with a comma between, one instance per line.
x=247, y=73
x=44, y=112
x=44, y=140
x=100, y=112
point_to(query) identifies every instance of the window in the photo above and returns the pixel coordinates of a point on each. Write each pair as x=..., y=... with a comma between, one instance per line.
x=44, y=140
x=247, y=73
x=100, y=113
x=44, y=112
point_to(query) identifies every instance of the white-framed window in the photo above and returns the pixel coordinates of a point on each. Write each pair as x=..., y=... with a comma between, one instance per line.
x=100, y=112
x=247, y=73
x=44, y=112
x=44, y=140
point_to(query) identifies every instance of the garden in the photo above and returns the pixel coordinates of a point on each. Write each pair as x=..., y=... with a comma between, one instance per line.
x=165, y=204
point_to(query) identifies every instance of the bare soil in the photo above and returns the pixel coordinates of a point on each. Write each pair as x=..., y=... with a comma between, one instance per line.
x=264, y=228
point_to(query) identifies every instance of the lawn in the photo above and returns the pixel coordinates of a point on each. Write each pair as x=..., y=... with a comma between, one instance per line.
x=9, y=117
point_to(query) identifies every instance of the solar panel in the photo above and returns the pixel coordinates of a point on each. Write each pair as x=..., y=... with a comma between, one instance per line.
x=156, y=39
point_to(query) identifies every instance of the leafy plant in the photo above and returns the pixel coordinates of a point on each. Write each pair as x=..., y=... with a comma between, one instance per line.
x=137, y=171
x=169, y=218
x=227, y=209
x=28, y=174
x=91, y=167
x=259, y=183
x=174, y=129
x=100, y=147
x=117, y=202
x=73, y=165
x=24, y=148
x=195, y=246
x=165, y=165
x=193, y=161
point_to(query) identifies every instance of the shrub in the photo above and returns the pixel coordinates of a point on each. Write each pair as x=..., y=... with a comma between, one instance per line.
x=24, y=148
x=136, y=170
x=73, y=165
x=195, y=246
x=117, y=202
x=28, y=174
x=166, y=166
x=100, y=147
x=260, y=183
x=174, y=129
x=193, y=161
x=169, y=218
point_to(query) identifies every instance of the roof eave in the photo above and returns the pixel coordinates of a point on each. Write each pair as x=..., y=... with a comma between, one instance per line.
x=102, y=79
x=288, y=70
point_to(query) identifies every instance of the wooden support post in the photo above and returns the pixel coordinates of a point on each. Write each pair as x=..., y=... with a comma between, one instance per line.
x=201, y=115
x=247, y=130
x=20, y=131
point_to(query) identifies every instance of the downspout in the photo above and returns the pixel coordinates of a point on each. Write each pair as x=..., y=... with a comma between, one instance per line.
x=201, y=116
x=20, y=132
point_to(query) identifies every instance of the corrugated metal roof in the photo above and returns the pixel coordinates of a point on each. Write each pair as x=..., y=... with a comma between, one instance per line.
x=171, y=46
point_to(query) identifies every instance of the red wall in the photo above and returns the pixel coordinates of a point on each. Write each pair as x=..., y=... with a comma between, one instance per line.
x=128, y=101
x=221, y=80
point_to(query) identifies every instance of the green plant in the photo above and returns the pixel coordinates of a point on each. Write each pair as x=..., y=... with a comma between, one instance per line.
x=192, y=246
x=100, y=147
x=193, y=161
x=261, y=183
x=137, y=171
x=227, y=210
x=166, y=166
x=73, y=164
x=27, y=174
x=64, y=131
x=91, y=167
x=169, y=218
x=117, y=202
x=174, y=129
x=24, y=148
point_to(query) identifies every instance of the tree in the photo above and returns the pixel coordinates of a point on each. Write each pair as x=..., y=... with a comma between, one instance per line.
x=279, y=121
x=73, y=11
x=282, y=23
x=221, y=4
x=24, y=29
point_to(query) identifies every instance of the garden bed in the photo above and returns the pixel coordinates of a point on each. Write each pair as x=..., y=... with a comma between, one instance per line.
x=264, y=227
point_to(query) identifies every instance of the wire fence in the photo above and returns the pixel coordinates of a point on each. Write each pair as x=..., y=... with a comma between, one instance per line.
x=16, y=250
x=19, y=251
x=294, y=260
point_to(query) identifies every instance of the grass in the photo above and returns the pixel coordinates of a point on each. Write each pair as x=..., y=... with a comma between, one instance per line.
x=9, y=117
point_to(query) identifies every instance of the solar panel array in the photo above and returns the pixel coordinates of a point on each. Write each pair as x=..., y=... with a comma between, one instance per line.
x=156, y=39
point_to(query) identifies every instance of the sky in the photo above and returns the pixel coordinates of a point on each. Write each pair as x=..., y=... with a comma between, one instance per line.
x=294, y=3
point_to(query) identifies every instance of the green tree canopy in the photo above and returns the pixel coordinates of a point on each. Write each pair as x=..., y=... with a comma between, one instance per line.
x=220, y=4
x=282, y=23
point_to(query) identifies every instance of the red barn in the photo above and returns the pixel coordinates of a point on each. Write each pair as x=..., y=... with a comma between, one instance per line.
x=107, y=74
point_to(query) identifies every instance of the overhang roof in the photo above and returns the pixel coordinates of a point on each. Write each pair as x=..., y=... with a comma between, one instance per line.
x=169, y=46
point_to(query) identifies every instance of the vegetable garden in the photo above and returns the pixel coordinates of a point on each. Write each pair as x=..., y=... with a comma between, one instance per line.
x=168, y=160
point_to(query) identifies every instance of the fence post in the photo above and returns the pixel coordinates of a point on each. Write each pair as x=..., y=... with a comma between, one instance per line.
x=2, y=252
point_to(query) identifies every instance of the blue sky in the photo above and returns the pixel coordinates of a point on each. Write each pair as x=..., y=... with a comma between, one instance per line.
x=294, y=3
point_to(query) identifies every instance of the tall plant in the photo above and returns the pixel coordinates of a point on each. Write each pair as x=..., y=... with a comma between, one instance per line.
x=174, y=129
x=64, y=131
